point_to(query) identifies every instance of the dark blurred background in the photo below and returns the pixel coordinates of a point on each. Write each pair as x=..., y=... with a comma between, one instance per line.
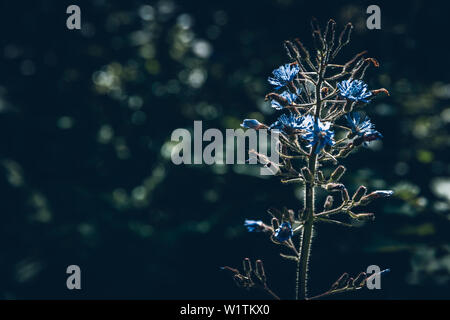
x=85, y=172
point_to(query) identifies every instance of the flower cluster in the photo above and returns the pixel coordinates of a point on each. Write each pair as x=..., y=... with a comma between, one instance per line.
x=313, y=102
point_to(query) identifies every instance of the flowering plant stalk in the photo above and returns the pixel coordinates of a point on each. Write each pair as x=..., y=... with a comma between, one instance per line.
x=317, y=129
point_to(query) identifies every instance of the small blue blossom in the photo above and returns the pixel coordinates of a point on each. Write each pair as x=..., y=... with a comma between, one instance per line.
x=288, y=123
x=254, y=225
x=290, y=97
x=358, y=125
x=251, y=124
x=283, y=75
x=284, y=232
x=319, y=135
x=355, y=90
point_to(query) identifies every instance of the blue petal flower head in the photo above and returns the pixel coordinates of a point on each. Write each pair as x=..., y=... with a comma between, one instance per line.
x=355, y=90
x=288, y=123
x=319, y=135
x=254, y=225
x=251, y=124
x=284, y=232
x=358, y=125
x=290, y=97
x=283, y=75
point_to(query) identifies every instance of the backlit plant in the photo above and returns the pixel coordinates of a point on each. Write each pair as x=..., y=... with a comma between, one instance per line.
x=318, y=128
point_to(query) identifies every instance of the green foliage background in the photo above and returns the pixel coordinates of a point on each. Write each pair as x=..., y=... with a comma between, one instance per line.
x=85, y=171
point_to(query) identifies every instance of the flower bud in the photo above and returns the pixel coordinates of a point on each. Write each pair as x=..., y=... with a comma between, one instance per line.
x=320, y=176
x=337, y=174
x=382, y=90
x=375, y=195
x=260, y=271
x=335, y=187
x=328, y=203
x=247, y=265
x=365, y=216
x=307, y=174
x=341, y=282
x=359, y=193
x=251, y=124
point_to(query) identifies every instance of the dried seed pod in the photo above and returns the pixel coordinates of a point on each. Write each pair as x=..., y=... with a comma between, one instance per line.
x=278, y=98
x=291, y=216
x=382, y=90
x=375, y=195
x=345, y=152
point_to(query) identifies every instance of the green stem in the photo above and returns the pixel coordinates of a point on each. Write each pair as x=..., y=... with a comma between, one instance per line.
x=306, y=239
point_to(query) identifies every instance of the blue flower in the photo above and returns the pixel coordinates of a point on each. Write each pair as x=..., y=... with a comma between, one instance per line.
x=288, y=123
x=254, y=225
x=355, y=90
x=359, y=126
x=283, y=75
x=290, y=97
x=251, y=124
x=319, y=135
x=284, y=232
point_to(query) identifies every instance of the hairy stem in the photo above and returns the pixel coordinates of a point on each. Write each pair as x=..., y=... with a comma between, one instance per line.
x=306, y=239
